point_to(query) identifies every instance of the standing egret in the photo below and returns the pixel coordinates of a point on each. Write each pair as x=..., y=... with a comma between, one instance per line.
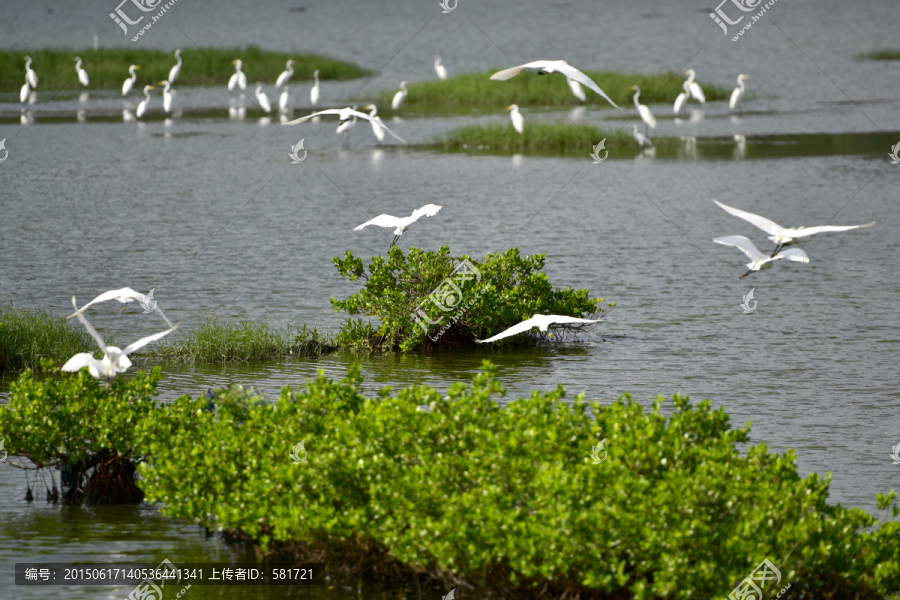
x=440, y=69
x=284, y=99
x=783, y=236
x=377, y=123
x=129, y=83
x=176, y=70
x=576, y=88
x=126, y=295
x=142, y=107
x=693, y=87
x=542, y=322
x=285, y=75
x=399, y=97
x=167, y=95
x=24, y=92
x=314, y=92
x=738, y=92
x=238, y=78
x=262, y=98
x=82, y=74
x=401, y=224
x=646, y=116
x=115, y=360
x=518, y=120
x=759, y=260
x=545, y=67
x=639, y=137
x=30, y=76
x=681, y=99
x=347, y=116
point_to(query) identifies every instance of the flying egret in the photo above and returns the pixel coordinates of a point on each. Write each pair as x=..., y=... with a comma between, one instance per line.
x=24, y=92
x=576, y=88
x=142, y=107
x=738, y=92
x=345, y=125
x=115, y=360
x=129, y=83
x=399, y=97
x=167, y=95
x=126, y=295
x=238, y=78
x=314, y=92
x=759, y=260
x=30, y=76
x=262, y=98
x=693, y=87
x=783, y=236
x=284, y=99
x=346, y=116
x=285, y=75
x=82, y=74
x=518, y=120
x=440, y=69
x=542, y=322
x=639, y=137
x=175, y=70
x=401, y=224
x=545, y=67
x=646, y=116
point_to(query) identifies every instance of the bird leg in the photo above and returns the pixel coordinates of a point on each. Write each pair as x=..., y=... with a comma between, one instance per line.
x=777, y=249
x=394, y=243
x=747, y=273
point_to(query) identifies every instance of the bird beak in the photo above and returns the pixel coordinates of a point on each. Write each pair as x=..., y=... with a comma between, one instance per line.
x=152, y=87
x=631, y=88
x=509, y=108
x=136, y=67
x=160, y=82
x=234, y=62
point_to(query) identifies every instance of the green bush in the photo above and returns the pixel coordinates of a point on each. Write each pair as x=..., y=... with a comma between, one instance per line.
x=506, y=290
x=506, y=499
x=558, y=137
x=28, y=335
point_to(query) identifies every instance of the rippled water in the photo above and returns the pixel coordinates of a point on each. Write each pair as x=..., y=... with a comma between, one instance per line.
x=210, y=212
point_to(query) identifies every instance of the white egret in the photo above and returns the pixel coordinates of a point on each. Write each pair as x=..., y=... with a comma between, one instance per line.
x=82, y=74
x=399, y=97
x=440, y=69
x=346, y=116
x=545, y=67
x=639, y=137
x=115, y=360
x=760, y=261
x=142, y=107
x=401, y=224
x=377, y=123
x=518, y=120
x=285, y=75
x=126, y=295
x=738, y=92
x=24, y=92
x=284, y=99
x=129, y=83
x=542, y=322
x=576, y=88
x=238, y=78
x=693, y=87
x=262, y=98
x=175, y=70
x=30, y=76
x=345, y=125
x=314, y=92
x=783, y=236
x=681, y=99
x=167, y=95
x=646, y=116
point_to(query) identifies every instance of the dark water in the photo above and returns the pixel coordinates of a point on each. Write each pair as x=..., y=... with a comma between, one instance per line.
x=209, y=211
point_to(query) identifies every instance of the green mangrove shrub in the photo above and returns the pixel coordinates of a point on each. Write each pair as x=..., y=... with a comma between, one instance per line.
x=433, y=299
x=557, y=137
x=506, y=499
x=82, y=426
x=28, y=335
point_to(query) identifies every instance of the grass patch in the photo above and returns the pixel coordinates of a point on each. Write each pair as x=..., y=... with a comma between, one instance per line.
x=881, y=55
x=537, y=137
x=108, y=68
x=27, y=335
x=530, y=89
x=240, y=341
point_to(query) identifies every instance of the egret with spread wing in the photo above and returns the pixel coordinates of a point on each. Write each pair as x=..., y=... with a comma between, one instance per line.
x=126, y=295
x=542, y=322
x=545, y=67
x=346, y=115
x=401, y=224
x=759, y=260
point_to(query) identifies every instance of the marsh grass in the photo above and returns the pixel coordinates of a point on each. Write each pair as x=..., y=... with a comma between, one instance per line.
x=881, y=55
x=538, y=137
x=27, y=335
x=241, y=341
x=108, y=68
x=530, y=89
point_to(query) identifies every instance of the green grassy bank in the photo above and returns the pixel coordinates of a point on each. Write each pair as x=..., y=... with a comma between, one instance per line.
x=562, y=137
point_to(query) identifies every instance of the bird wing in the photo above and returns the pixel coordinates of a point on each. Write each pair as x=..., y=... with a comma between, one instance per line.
x=742, y=243
x=382, y=221
x=647, y=116
x=576, y=88
x=793, y=255
x=429, y=210
x=523, y=326
x=512, y=72
x=80, y=361
x=112, y=295
x=763, y=223
x=165, y=318
x=735, y=96
x=345, y=113
x=807, y=231
x=330, y=111
x=144, y=341
x=564, y=319
x=576, y=75
x=90, y=329
x=697, y=92
x=679, y=102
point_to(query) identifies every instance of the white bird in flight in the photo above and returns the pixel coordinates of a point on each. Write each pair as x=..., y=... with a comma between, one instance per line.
x=399, y=97
x=129, y=83
x=167, y=95
x=783, y=236
x=542, y=322
x=82, y=74
x=440, y=69
x=646, y=116
x=760, y=261
x=175, y=70
x=401, y=224
x=545, y=67
x=262, y=98
x=115, y=360
x=285, y=75
x=518, y=120
x=314, y=92
x=238, y=79
x=30, y=76
x=738, y=92
x=142, y=107
x=346, y=116
x=126, y=295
